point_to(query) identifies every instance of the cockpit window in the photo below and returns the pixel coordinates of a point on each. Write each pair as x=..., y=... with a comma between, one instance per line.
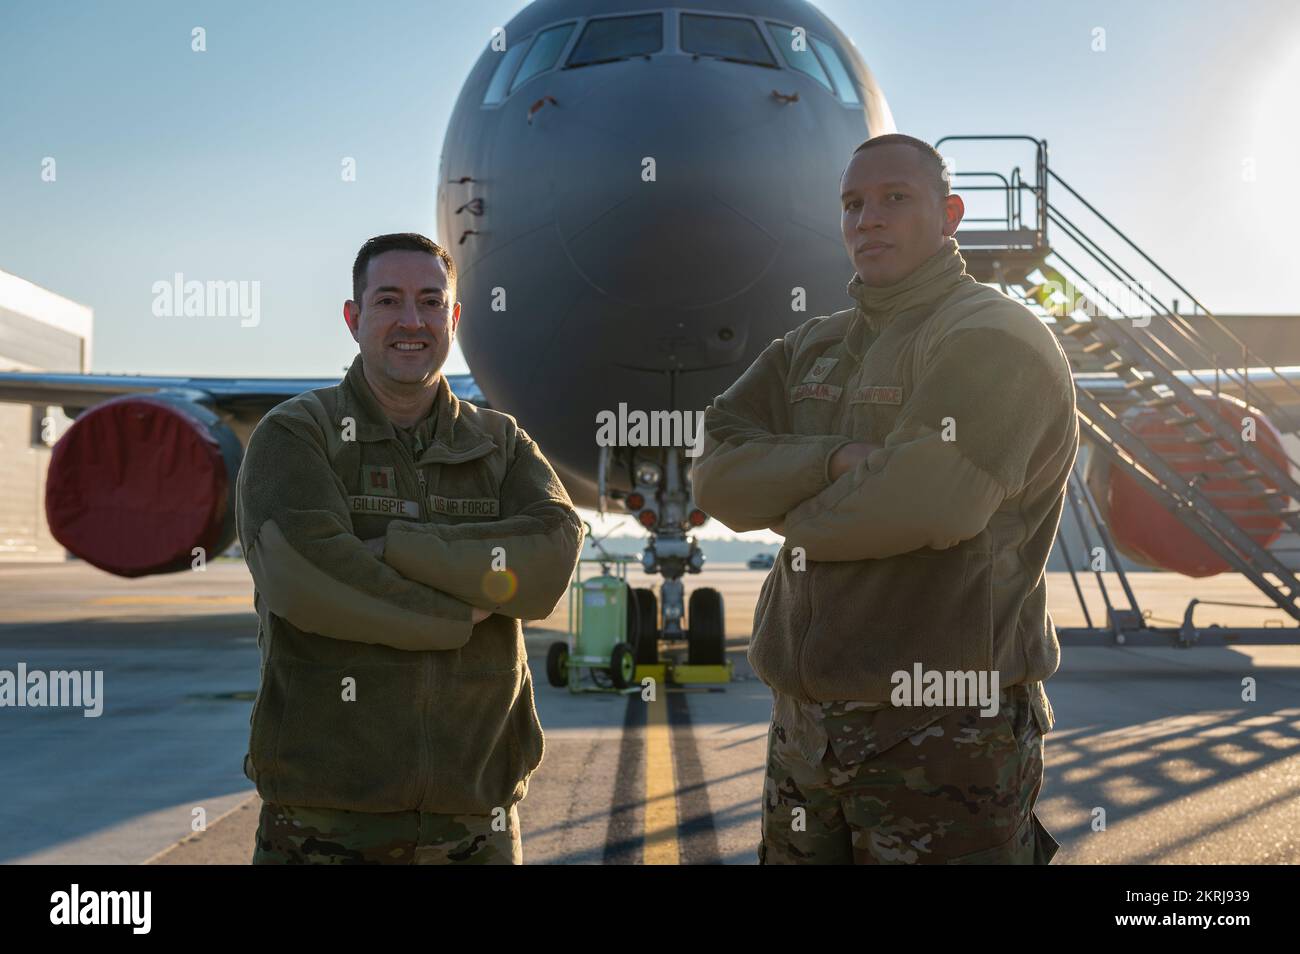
x=500, y=83
x=618, y=38
x=794, y=48
x=543, y=54
x=843, y=82
x=728, y=38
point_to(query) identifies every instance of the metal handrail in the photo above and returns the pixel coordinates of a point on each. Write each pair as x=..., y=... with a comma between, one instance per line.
x=1040, y=169
x=1206, y=415
x=1177, y=322
x=1168, y=357
x=1249, y=358
x=1046, y=213
x=1005, y=187
x=1190, y=508
x=1243, y=381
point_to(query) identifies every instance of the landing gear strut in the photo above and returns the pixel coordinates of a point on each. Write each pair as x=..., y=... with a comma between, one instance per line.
x=660, y=500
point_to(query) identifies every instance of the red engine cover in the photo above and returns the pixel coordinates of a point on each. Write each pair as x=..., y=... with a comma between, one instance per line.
x=137, y=482
x=1145, y=531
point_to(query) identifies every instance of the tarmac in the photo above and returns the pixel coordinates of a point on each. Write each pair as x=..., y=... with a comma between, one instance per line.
x=1155, y=757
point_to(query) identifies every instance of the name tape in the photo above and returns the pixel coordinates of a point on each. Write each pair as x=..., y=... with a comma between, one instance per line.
x=818, y=392
x=465, y=506
x=385, y=506
x=878, y=395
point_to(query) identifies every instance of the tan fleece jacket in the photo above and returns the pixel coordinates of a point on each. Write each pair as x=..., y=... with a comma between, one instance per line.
x=933, y=549
x=377, y=692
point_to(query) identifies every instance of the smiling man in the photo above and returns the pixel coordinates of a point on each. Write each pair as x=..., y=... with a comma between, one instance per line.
x=396, y=537
x=914, y=451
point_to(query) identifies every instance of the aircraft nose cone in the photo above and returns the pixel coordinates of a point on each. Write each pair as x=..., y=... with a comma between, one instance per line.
x=679, y=204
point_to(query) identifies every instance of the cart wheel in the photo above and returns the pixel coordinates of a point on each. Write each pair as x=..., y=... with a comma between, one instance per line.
x=706, y=640
x=557, y=665
x=622, y=665
x=647, y=644
x=633, y=634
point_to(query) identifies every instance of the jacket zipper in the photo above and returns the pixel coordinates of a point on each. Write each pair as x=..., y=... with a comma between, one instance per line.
x=419, y=475
x=806, y=589
x=836, y=428
x=425, y=770
x=851, y=383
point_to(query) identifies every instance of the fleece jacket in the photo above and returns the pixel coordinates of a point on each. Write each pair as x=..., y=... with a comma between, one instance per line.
x=933, y=549
x=378, y=694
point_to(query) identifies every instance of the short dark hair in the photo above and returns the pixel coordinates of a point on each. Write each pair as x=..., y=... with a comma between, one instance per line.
x=403, y=242
x=941, y=180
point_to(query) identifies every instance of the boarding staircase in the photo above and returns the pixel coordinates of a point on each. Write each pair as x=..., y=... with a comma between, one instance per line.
x=1114, y=310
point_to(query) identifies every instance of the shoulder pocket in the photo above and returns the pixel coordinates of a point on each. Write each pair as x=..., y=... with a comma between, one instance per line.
x=463, y=490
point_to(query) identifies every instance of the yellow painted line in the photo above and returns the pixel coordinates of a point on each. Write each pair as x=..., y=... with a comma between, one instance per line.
x=168, y=600
x=660, y=787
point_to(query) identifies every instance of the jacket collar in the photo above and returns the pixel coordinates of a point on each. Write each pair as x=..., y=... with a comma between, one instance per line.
x=446, y=435
x=926, y=284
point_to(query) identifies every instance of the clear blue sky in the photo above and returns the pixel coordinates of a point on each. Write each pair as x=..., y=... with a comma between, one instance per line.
x=226, y=164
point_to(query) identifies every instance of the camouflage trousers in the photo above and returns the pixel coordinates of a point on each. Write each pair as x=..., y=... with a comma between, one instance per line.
x=961, y=790
x=296, y=835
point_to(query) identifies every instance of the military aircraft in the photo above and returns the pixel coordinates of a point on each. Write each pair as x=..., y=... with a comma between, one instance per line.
x=639, y=199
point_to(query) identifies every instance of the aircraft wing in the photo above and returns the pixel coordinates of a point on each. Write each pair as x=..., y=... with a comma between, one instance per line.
x=245, y=397
x=250, y=398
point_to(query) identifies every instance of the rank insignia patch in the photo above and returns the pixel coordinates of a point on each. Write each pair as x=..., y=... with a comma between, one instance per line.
x=820, y=369
x=381, y=481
